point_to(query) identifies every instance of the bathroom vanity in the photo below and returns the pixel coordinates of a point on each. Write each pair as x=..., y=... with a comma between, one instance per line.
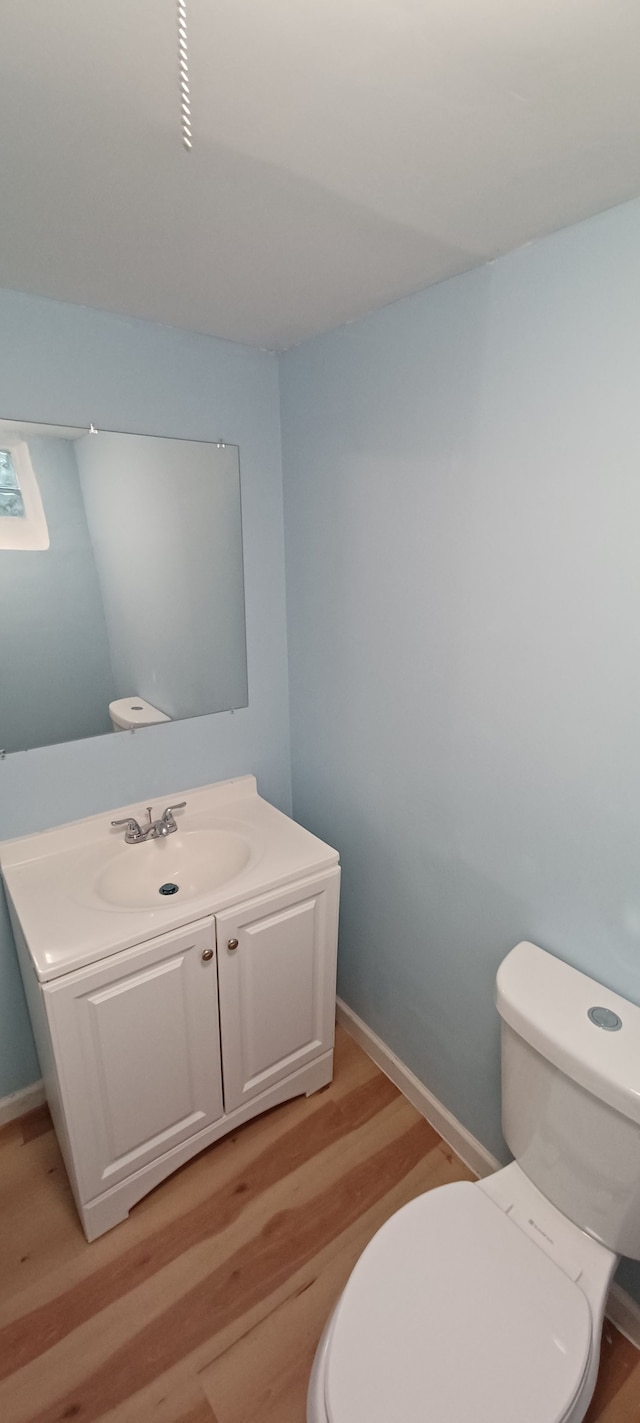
x=177, y=986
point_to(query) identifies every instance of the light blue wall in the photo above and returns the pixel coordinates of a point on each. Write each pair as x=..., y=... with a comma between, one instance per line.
x=56, y=678
x=71, y=365
x=462, y=521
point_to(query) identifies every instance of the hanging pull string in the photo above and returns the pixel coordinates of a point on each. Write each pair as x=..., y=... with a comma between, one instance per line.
x=183, y=68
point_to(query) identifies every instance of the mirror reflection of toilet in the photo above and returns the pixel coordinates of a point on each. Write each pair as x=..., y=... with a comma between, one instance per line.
x=130, y=712
x=485, y=1301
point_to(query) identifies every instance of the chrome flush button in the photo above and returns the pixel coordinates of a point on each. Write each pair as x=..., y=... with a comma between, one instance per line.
x=604, y=1018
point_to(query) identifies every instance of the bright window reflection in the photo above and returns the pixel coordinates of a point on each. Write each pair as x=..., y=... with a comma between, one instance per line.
x=11, y=501
x=23, y=524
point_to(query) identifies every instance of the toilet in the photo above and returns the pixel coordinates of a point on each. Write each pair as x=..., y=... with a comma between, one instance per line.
x=485, y=1300
x=127, y=713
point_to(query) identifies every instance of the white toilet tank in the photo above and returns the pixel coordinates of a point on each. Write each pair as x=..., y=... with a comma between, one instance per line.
x=571, y=1092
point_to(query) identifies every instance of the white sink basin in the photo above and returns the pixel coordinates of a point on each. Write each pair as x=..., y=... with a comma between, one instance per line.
x=79, y=893
x=166, y=871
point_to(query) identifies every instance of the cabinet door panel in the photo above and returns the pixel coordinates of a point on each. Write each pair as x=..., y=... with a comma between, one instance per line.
x=277, y=988
x=137, y=1041
x=277, y=950
x=146, y=1079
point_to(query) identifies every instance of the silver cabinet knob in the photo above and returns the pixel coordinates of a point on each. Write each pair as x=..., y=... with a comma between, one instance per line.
x=207, y=955
x=232, y=945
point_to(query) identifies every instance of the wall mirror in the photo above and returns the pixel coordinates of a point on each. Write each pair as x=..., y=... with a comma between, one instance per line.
x=121, y=582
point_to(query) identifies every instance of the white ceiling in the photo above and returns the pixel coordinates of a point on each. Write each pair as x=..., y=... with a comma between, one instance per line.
x=345, y=152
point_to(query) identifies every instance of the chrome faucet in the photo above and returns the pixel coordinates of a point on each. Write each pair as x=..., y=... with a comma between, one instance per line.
x=153, y=829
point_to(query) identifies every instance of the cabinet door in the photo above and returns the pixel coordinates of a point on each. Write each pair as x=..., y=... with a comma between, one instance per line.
x=136, y=1040
x=277, y=987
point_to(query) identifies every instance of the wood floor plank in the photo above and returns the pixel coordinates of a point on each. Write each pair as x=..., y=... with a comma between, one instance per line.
x=265, y=1373
x=288, y=1238
x=36, y=1123
x=181, y=1401
x=432, y=1170
x=257, y=1377
x=69, y=1354
x=11, y=1132
x=40, y=1227
x=207, y=1304
x=624, y=1407
x=618, y=1361
x=39, y=1329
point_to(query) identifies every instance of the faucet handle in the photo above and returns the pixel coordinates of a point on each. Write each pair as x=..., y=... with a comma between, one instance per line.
x=133, y=833
x=167, y=821
x=164, y=825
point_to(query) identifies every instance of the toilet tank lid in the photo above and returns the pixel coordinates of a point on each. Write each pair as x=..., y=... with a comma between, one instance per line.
x=547, y=1003
x=135, y=711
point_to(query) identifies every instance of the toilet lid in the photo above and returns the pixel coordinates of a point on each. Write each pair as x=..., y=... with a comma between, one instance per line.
x=452, y=1313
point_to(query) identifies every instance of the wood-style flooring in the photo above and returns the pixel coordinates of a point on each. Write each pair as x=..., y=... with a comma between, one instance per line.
x=207, y=1304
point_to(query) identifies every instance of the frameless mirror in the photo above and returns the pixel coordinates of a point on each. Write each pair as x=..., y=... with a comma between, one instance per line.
x=121, y=582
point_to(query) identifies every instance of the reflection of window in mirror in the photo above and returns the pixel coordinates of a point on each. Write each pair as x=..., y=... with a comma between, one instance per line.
x=11, y=501
x=23, y=523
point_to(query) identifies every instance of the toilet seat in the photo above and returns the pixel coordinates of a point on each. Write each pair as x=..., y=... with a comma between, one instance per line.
x=452, y=1312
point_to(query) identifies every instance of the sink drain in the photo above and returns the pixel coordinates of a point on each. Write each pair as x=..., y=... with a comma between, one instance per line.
x=168, y=888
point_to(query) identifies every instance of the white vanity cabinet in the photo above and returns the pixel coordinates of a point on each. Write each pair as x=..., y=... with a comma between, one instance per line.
x=136, y=1048
x=176, y=987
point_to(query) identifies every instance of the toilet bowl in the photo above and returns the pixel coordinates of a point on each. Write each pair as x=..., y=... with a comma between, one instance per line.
x=454, y=1313
x=483, y=1300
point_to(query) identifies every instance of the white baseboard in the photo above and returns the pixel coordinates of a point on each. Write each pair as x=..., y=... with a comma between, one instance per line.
x=466, y=1146
x=18, y=1103
x=621, y=1309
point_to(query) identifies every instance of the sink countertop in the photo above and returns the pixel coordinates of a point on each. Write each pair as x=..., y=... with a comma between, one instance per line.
x=49, y=876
